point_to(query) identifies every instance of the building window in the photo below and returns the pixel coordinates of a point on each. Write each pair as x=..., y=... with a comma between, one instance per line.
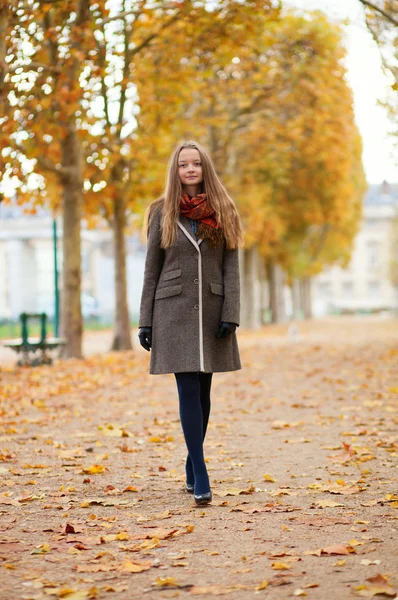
x=324, y=288
x=374, y=288
x=347, y=288
x=373, y=255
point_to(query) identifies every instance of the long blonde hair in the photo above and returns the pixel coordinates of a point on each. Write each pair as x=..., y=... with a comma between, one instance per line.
x=225, y=210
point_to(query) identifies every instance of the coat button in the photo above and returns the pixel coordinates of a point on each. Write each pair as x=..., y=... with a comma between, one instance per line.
x=196, y=280
x=196, y=307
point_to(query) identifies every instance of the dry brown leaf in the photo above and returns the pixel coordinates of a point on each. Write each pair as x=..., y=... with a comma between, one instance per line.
x=215, y=590
x=334, y=549
x=328, y=504
x=235, y=491
x=67, y=593
x=129, y=566
x=378, y=585
x=4, y=499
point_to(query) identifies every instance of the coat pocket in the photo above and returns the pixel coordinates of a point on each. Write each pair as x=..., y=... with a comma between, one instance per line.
x=167, y=292
x=171, y=274
x=217, y=288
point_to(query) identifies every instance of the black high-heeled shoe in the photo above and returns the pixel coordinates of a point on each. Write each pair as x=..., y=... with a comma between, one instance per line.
x=190, y=487
x=203, y=498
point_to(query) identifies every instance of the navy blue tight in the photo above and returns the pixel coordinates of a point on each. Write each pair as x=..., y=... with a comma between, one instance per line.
x=194, y=396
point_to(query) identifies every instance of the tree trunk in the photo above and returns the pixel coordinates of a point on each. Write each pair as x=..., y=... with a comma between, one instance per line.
x=243, y=294
x=72, y=326
x=251, y=287
x=272, y=286
x=264, y=291
x=296, y=299
x=122, y=333
x=306, y=303
x=276, y=292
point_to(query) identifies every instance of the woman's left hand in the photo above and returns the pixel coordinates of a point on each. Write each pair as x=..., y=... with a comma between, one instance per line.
x=225, y=329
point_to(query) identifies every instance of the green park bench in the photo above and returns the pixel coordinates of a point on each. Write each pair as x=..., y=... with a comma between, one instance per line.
x=27, y=346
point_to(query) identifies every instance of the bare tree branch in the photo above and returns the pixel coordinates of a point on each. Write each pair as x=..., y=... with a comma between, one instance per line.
x=127, y=13
x=46, y=164
x=33, y=66
x=382, y=12
x=388, y=68
x=154, y=35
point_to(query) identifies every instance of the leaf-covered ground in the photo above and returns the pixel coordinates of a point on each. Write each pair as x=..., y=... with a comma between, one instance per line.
x=302, y=454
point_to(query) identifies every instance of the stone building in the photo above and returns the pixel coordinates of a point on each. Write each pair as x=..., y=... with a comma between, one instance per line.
x=27, y=267
x=366, y=285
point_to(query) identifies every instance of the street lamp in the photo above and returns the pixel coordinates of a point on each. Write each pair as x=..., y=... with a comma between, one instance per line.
x=56, y=289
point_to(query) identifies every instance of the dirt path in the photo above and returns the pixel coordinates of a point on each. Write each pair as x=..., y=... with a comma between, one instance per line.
x=302, y=452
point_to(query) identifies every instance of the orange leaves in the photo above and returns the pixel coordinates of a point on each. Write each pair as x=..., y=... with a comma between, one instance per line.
x=136, y=518
x=157, y=439
x=94, y=469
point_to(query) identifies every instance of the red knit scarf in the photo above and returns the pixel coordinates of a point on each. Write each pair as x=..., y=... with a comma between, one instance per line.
x=198, y=209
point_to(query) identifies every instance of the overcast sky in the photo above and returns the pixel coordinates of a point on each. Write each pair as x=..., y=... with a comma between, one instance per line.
x=369, y=85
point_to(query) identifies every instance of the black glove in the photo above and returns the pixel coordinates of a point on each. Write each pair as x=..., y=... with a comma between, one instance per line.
x=225, y=329
x=145, y=335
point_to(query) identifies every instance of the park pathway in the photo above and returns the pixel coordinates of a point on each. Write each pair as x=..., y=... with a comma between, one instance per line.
x=302, y=452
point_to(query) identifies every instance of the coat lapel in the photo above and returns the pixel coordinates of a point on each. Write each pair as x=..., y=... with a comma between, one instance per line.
x=185, y=226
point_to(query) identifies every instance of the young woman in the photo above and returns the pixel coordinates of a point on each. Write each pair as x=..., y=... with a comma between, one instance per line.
x=190, y=299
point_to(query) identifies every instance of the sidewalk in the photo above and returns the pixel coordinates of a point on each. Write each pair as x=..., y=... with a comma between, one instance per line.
x=302, y=455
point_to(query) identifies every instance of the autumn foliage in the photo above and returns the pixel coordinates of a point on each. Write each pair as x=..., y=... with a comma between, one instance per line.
x=96, y=95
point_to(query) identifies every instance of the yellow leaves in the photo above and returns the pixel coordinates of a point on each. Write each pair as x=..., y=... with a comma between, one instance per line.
x=328, y=504
x=340, y=563
x=166, y=582
x=41, y=549
x=126, y=566
x=391, y=497
x=347, y=489
x=156, y=439
x=68, y=593
x=283, y=492
x=113, y=430
x=6, y=499
x=129, y=566
x=333, y=549
x=149, y=544
x=280, y=566
x=93, y=470
x=262, y=586
x=278, y=424
x=114, y=537
x=378, y=585
x=269, y=478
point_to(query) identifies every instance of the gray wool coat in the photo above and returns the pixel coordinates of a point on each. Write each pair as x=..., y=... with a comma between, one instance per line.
x=188, y=289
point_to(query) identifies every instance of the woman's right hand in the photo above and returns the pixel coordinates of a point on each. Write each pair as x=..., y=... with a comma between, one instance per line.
x=145, y=336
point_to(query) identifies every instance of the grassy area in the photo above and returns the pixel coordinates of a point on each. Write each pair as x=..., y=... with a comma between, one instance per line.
x=12, y=329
